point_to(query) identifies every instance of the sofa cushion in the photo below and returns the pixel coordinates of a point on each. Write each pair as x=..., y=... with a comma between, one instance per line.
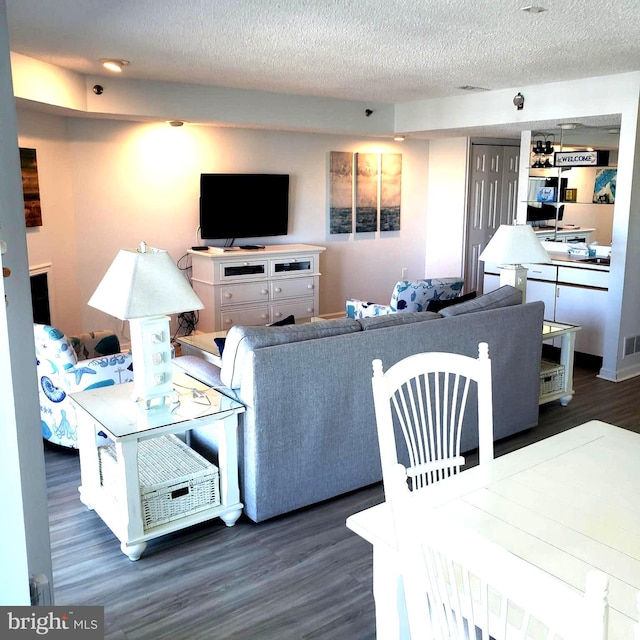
x=95, y=344
x=220, y=342
x=242, y=340
x=437, y=305
x=414, y=295
x=379, y=322
x=503, y=297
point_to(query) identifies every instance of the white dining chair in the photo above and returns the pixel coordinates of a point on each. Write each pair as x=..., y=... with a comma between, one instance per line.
x=422, y=406
x=459, y=585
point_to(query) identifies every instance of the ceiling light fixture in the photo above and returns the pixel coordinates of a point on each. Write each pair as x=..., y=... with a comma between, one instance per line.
x=614, y=130
x=568, y=125
x=176, y=123
x=113, y=65
x=399, y=138
x=533, y=8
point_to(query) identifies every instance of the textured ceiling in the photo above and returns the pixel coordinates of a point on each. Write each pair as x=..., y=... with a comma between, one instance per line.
x=368, y=50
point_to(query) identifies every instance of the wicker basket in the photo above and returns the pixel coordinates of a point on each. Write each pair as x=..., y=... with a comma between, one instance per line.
x=175, y=481
x=551, y=377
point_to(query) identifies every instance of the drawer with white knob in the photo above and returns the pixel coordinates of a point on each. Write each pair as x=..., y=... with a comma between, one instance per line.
x=249, y=316
x=292, y=288
x=299, y=310
x=242, y=293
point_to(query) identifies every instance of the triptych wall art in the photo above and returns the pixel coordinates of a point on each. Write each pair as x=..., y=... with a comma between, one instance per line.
x=370, y=185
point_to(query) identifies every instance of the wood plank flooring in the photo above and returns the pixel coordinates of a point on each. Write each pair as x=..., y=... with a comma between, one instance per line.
x=302, y=576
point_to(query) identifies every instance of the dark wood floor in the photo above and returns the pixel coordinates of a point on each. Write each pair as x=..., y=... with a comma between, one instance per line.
x=300, y=576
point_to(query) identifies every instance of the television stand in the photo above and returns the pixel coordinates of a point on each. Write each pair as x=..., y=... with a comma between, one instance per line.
x=250, y=287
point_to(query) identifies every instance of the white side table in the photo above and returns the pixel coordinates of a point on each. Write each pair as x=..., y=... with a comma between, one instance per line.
x=203, y=346
x=567, y=334
x=113, y=411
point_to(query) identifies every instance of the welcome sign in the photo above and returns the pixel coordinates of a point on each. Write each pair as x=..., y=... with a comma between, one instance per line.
x=580, y=158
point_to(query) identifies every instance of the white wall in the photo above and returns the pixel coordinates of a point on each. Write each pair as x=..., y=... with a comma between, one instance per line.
x=54, y=242
x=448, y=168
x=24, y=534
x=108, y=184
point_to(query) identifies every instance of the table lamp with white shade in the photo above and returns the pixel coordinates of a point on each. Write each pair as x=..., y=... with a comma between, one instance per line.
x=510, y=246
x=144, y=286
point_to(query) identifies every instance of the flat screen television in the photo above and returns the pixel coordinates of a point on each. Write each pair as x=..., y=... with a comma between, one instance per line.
x=243, y=205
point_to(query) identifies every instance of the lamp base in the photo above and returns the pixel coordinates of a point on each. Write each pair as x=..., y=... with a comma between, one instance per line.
x=516, y=276
x=151, y=355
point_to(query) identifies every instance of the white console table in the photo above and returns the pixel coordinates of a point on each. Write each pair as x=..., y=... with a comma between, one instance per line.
x=254, y=287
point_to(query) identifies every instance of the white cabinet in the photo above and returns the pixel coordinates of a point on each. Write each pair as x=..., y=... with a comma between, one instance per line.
x=581, y=298
x=571, y=294
x=253, y=287
x=586, y=307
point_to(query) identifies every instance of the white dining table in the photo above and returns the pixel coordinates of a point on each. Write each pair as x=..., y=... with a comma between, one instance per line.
x=566, y=504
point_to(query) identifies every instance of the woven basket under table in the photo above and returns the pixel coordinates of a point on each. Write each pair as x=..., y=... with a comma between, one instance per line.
x=175, y=481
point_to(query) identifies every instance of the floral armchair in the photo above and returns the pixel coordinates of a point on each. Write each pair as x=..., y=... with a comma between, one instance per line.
x=67, y=365
x=408, y=295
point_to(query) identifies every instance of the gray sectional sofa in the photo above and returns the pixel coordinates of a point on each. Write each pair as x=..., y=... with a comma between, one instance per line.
x=309, y=433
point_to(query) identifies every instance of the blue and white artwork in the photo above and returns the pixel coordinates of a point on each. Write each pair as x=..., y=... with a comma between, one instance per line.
x=604, y=188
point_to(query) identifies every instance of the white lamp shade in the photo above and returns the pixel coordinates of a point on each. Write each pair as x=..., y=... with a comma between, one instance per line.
x=144, y=283
x=514, y=244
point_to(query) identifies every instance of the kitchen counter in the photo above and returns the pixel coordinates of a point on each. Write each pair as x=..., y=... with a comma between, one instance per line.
x=573, y=289
x=564, y=259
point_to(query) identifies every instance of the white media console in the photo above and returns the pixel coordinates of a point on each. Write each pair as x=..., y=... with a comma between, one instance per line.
x=254, y=287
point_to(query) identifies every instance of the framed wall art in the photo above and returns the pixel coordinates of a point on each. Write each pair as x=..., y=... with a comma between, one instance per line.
x=340, y=192
x=30, y=188
x=369, y=184
x=604, y=188
x=390, y=191
x=366, y=192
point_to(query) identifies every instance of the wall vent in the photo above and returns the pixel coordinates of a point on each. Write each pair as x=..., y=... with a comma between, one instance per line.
x=631, y=345
x=40, y=589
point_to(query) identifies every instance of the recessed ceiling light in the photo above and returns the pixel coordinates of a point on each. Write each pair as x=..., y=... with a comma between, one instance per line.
x=113, y=65
x=176, y=123
x=568, y=125
x=533, y=8
x=399, y=138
